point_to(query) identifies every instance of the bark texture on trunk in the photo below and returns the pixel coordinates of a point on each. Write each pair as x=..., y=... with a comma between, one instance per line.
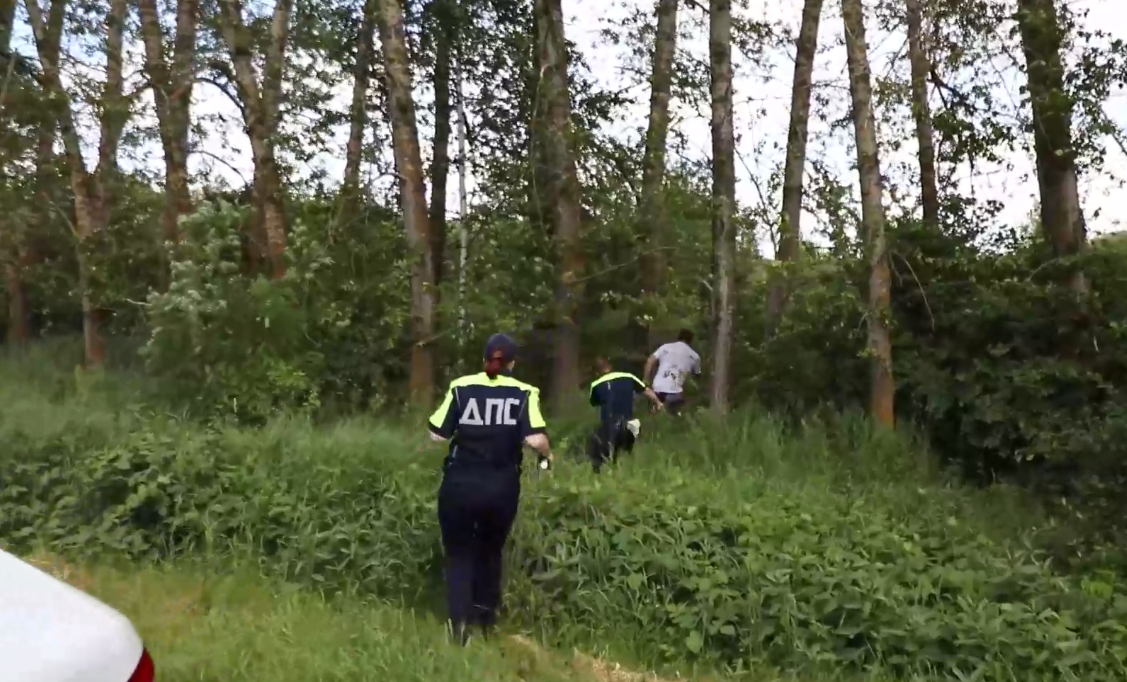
x=358, y=110
x=463, y=207
x=24, y=239
x=7, y=20
x=172, y=96
x=21, y=256
x=653, y=215
x=19, y=331
x=1061, y=216
x=440, y=163
x=260, y=105
x=563, y=196
x=536, y=189
x=921, y=112
x=405, y=139
x=790, y=226
x=883, y=386
x=93, y=192
x=723, y=203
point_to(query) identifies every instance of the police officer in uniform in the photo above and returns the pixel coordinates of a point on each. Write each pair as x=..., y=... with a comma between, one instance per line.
x=613, y=393
x=487, y=419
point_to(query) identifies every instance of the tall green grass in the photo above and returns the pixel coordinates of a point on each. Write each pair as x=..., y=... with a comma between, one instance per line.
x=736, y=544
x=201, y=624
x=208, y=620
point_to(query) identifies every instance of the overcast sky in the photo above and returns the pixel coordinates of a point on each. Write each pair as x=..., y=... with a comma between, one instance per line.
x=766, y=130
x=762, y=108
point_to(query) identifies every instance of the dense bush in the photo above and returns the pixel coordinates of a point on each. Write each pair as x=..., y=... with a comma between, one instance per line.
x=1008, y=374
x=1001, y=365
x=810, y=579
x=244, y=345
x=710, y=551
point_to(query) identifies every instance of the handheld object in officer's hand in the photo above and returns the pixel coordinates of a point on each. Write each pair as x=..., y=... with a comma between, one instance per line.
x=545, y=463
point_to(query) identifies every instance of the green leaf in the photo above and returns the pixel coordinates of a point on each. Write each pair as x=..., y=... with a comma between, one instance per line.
x=695, y=642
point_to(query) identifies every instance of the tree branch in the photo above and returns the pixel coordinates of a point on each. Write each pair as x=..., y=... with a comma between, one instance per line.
x=44, y=41
x=225, y=88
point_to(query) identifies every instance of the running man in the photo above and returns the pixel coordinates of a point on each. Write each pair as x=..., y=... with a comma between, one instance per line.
x=673, y=362
x=613, y=393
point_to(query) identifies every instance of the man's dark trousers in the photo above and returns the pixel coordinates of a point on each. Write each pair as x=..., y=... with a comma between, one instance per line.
x=673, y=402
x=476, y=509
x=609, y=439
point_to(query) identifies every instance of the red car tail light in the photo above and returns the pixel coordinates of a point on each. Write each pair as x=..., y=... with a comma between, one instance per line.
x=146, y=671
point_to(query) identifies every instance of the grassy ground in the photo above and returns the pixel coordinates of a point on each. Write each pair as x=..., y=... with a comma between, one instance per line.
x=202, y=624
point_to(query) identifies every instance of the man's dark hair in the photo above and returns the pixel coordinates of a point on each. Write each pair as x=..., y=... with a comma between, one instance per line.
x=500, y=350
x=685, y=336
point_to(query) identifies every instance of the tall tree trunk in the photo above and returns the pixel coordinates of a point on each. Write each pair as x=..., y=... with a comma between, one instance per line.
x=921, y=112
x=115, y=112
x=19, y=331
x=93, y=192
x=653, y=162
x=255, y=248
x=536, y=206
x=883, y=386
x=261, y=108
x=103, y=184
x=358, y=110
x=172, y=95
x=440, y=164
x=1061, y=216
x=463, y=206
x=794, y=172
x=405, y=140
x=22, y=239
x=723, y=202
x=7, y=21
x=564, y=198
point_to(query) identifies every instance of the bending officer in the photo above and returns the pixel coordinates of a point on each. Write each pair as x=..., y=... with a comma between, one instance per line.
x=613, y=393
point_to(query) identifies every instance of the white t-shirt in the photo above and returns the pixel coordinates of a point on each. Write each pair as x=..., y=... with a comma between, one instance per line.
x=674, y=362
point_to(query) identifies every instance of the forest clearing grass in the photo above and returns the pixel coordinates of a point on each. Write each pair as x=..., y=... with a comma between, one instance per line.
x=202, y=624
x=746, y=545
x=214, y=620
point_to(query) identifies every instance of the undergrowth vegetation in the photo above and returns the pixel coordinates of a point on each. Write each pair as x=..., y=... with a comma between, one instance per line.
x=809, y=547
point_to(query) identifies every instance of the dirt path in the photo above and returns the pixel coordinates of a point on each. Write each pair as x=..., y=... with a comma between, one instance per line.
x=600, y=669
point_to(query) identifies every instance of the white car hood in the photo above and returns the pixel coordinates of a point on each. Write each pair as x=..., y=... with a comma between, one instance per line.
x=52, y=632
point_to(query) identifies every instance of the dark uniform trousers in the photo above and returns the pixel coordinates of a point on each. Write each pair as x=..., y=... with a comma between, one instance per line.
x=476, y=509
x=609, y=439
